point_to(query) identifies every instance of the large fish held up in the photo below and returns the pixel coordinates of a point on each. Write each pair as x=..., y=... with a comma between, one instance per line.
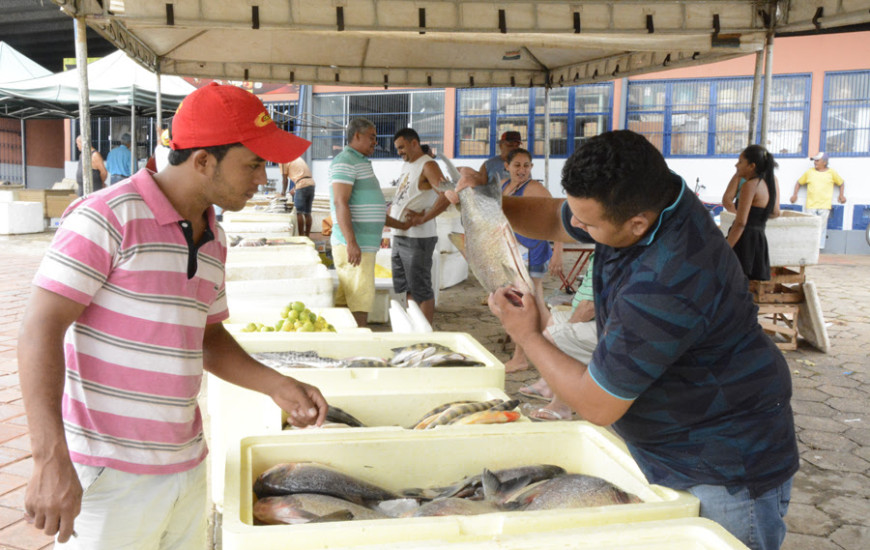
x=488, y=244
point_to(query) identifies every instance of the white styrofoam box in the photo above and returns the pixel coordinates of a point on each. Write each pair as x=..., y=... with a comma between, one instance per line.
x=448, y=222
x=397, y=459
x=289, y=240
x=256, y=216
x=20, y=217
x=316, y=290
x=278, y=254
x=8, y=195
x=259, y=227
x=453, y=269
x=381, y=344
x=669, y=534
x=253, y=270
x=792, y=238
x=243, y=413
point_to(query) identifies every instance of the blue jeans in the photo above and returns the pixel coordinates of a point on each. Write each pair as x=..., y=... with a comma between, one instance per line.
x=758, y=522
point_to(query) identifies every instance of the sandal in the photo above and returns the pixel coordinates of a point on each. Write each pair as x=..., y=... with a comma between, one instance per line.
x=533, y=393
x=542, y=414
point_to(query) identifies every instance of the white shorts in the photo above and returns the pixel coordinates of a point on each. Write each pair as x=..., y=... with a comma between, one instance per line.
x=575, y=339
x=136, y=511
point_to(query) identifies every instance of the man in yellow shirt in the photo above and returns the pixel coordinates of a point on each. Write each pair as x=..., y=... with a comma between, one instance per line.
x=820, y=181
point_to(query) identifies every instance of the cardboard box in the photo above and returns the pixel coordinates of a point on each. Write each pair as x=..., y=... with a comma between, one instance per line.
x=56, y=206
x=54, y=201
x=399, y=459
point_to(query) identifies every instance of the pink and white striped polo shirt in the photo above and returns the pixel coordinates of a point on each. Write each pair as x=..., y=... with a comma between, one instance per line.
x=134, y=358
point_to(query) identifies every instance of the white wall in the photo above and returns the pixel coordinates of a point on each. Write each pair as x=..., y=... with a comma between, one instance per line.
x=713, y=173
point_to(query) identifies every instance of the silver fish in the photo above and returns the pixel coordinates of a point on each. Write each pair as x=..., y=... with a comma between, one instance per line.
x=311, y=477
x=489, y=244
x=471, y=487
x=310, y=508
x=296, y=359
x=426, y=354
x=455, y=506
x=573, y=491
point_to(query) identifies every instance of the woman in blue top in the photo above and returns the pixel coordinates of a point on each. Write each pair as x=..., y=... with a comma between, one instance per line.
x=756, y=201
x=537, y=254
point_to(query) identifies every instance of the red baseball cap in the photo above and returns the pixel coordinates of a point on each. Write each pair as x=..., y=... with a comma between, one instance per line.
x=219, y=115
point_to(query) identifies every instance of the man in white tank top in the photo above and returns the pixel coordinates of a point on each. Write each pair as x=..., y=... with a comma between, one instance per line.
x=419, y=201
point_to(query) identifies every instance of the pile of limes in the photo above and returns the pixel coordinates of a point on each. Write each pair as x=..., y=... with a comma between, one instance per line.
x=295, y=317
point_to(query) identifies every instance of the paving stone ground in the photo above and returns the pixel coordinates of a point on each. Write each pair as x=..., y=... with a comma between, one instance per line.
x=831, y=497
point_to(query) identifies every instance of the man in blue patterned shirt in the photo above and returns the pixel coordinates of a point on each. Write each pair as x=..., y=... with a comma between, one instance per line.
x=682, y=370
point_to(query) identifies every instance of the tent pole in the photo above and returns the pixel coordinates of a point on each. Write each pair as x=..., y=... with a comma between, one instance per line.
x=768, y=75
x=84, y=103
x=546, y=137
x=756, y=91
x=159, y=100
x=23, y=153
x=133, y=131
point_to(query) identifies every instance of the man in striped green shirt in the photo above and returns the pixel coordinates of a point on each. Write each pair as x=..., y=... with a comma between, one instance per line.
x=359, y=210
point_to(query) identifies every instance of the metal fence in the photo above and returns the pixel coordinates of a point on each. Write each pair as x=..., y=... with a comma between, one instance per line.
x=11, y=169
x=421, y=110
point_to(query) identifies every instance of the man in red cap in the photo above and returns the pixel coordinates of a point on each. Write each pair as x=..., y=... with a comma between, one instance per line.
x=125, y=315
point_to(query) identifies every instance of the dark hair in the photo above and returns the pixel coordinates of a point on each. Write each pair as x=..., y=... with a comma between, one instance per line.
x=407, y=134
x=515, y=152
x=179, y=156
x=622, y=171
x=764, y=165
x=425, y=148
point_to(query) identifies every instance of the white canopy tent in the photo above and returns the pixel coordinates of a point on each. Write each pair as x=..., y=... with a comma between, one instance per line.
x=445, y=43
x=115, y=82
x=16, y=66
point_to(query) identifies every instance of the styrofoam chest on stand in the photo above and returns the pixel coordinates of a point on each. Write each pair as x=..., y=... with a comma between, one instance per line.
x=792, y=238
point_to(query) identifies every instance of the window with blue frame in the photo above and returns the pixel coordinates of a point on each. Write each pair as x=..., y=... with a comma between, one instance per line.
x=846, y=114
x=710, y=117
x=422, y=110
x=576, y=114
x=284, y=115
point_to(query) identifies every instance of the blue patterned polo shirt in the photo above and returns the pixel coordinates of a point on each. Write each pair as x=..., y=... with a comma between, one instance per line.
x=679, y=335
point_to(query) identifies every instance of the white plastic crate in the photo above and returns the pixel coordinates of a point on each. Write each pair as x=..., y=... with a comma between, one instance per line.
x=398, y=459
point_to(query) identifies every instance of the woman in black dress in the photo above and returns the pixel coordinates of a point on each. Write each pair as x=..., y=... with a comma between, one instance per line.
x=756, y=202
